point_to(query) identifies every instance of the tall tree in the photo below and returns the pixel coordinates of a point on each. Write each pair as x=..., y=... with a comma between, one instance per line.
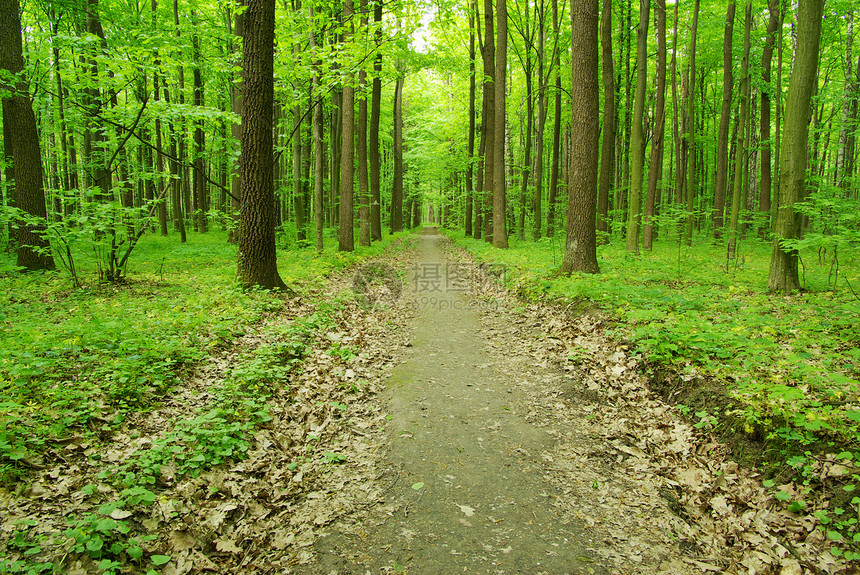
x=500, y=232
x=580, y=250
x=738, y=197
x=34, y=250
x=783, y=276
x=691, y=118
x=721, y=175
x=470, y=167
x=201, y=196
x=361, y=148
x=655, y=174
x=319, y=212
x=488, y=119
x=346, y=239
x=607, y=156
x=397, y=182
x=556, y=128
x=637, y=139
x=375, y=107
x=537, y=172
x=765, y=185
x=257, y=258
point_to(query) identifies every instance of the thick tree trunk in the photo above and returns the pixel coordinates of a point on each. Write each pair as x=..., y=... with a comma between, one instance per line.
x=655, y=175
x=580, y=252
x=637, y=140
x=34, y=250
x=257, y=258
x=783, y=275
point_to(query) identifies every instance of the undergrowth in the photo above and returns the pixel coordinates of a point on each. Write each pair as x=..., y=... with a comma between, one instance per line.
x=789, y=365
x=75, y=363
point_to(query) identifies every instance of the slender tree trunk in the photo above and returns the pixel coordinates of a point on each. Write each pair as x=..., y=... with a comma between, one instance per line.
x=784, y=275
x=470, y=171
x=397, y=184
x=257, y=258
x=556, y=130
x=375, y=106
x=720, y=178
x=764, y=117
x=537, y=172
x=655, y=174
x=637, y=139
x=676, y=131
x=361, y=148
x=738, y=188
x=500, y=232
x=580, y=253
x=346, y=240
x=691, y=162
x=607, y=157
x=319, y=167
x=236, y=130
x=201, y=199
x=489, y=119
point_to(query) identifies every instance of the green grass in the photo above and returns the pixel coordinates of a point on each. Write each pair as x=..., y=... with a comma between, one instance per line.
x=77, y=361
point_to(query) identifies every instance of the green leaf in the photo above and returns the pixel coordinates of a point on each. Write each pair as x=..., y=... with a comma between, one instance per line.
x=159, y=559
x=418, y=486
x=796, y=506
x=782, y=496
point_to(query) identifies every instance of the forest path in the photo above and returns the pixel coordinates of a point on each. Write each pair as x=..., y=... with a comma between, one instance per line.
x=473, y=485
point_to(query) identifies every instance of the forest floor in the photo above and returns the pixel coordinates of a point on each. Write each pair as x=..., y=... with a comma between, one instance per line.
x=412, y=417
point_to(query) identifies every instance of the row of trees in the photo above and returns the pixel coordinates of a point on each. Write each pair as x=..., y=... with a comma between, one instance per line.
x=490, y=141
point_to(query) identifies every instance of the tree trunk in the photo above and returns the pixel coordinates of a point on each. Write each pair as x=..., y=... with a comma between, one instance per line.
x=397, y=184
x=470, y=168
x=580, y=253
x=346, y=240
x=257, y=258
x=691, y=155
x=375, y=105
x=556, y=130
x=236, y=130
x=607, y=157
x=500, y=232
x=738, y=195
x=537, y=172
x=764, y=116
x=34, y=249
x=637, y=140
x=201, y=199
x=319, y=167
x=655, y=175
x=488, y=119
x=783, y=275
x=361, y=149
x=720, y=177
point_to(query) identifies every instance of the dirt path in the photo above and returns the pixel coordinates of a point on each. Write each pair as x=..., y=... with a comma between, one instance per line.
x=467, y=493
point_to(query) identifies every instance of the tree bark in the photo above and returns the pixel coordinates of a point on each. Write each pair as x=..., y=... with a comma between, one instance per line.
x=34, y=249
x=201, y=196
x=607, y=156
x=580, y=253
x=319, y=167
x=470, y=167
x=361, y=148
x=783, y=276
x=257, y=258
